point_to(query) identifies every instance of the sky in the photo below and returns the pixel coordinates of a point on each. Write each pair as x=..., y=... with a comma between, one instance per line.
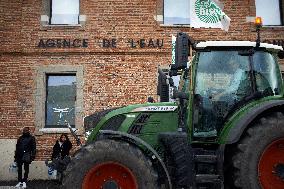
x=61, y=80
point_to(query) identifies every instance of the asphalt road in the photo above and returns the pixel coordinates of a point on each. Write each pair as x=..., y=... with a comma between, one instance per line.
x=33, y=184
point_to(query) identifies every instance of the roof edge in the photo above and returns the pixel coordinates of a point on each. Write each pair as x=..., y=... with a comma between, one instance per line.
x=202, y=45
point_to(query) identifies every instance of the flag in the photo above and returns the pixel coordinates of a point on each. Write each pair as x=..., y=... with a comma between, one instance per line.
x=208, y=14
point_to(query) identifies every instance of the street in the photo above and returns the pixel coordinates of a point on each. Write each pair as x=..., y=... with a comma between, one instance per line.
x=33, y=184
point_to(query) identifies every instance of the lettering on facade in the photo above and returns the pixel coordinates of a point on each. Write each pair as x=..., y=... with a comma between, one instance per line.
x=142, y=43
x=63, y=43
x=105, y=43
x=132, y=43
x=109, y=43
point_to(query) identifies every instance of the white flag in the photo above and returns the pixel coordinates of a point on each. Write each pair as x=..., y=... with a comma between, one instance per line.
x=207, y=14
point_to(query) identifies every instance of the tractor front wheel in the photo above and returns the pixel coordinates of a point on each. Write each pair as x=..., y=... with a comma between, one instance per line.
x=259, y=158
x=109, y=164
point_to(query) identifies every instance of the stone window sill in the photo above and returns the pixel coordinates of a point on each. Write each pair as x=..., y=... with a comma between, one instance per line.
x=175, y=25
x=61, y=27
x=52, y=131
x=273, y=27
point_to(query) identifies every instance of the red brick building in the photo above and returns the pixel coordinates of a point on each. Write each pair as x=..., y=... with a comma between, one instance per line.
x=102, y=53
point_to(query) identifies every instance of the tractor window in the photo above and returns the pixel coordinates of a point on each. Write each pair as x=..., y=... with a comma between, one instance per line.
x=184, y=81
x=265, y=70
x=222, y=81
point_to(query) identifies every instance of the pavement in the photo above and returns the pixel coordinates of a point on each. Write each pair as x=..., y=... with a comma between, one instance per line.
x=32, y=184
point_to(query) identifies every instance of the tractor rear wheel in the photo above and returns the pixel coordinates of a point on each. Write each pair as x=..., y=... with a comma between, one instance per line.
x=259, y=159
x=109, y=164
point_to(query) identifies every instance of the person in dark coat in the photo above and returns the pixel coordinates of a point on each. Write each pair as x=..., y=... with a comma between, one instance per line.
x=60, y=155
x=24, y=155
x=62, y=147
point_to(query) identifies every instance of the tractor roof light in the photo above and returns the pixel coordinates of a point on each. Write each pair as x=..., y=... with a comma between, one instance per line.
x=258, y=22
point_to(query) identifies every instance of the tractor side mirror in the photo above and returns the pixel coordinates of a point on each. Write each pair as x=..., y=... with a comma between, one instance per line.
x=163, y=86
x=181, y=51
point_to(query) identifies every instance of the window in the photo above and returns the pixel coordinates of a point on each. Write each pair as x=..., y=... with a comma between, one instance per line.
x=221, y=85
x=61, y=12
x=58, y=97
x=176, y=11
x=60, y=100
x=271, y=12
x=64, y=12
x=265, y=67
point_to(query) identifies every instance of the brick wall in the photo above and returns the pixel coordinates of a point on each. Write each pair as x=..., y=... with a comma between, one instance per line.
x=112, y=76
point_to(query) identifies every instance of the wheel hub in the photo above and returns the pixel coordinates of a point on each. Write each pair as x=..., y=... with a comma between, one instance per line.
x=110, y=184
x=271, y=165
x=279, y=170
x=109, y=175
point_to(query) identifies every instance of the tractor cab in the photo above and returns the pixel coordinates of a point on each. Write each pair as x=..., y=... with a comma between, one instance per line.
x=223, y=77
x=228, y=76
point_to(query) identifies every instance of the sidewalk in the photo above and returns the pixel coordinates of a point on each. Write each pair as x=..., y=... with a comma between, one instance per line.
x=33, y=184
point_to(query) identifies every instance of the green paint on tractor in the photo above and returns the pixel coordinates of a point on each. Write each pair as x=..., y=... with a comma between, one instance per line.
x=224, y=128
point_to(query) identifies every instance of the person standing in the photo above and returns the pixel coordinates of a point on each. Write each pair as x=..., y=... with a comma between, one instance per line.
x=24, y=155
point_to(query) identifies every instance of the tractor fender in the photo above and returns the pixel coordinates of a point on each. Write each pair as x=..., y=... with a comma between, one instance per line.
x=235, y=133
x=138, y=142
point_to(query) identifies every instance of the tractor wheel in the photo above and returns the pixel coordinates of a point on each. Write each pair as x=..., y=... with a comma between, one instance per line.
x=109, y=164
x=259, y=159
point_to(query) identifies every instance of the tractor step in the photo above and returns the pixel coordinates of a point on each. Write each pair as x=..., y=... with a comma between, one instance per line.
x=205, y=158
x=207, y=178
x=208, y=168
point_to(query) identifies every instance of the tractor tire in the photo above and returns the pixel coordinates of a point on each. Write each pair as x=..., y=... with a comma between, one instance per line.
x=110, y=164
x=259, y=153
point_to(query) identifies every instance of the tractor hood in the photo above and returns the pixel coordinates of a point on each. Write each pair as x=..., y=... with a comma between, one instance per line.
x=97, y=119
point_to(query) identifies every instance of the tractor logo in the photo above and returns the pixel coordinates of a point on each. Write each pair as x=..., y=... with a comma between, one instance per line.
x=208, y=12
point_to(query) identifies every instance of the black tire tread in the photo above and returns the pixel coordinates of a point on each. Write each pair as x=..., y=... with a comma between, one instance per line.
x=100, y=151
x=269, y=126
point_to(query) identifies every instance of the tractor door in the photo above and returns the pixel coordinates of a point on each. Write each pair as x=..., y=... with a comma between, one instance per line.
x=222, y=80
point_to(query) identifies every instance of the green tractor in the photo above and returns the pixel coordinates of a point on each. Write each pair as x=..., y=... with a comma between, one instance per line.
x=225, y=129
